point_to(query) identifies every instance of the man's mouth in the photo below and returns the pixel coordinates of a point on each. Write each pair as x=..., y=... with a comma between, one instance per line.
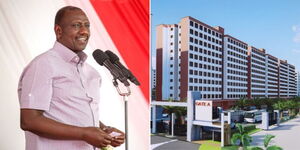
x=82, y=39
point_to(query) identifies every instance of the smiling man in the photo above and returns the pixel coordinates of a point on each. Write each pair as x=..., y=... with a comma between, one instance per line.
x=59, y=93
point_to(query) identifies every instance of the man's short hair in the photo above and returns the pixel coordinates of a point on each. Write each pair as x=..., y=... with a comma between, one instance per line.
x=61, y=12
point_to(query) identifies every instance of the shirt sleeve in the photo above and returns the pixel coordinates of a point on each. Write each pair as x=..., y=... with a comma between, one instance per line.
x=35, y=85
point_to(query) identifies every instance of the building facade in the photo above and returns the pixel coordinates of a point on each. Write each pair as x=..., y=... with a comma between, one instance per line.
x=235, y=65
x=298, y=84
x=193, y=56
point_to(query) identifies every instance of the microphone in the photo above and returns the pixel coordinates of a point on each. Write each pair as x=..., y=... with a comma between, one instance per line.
x=127, y=73
x=103, y=60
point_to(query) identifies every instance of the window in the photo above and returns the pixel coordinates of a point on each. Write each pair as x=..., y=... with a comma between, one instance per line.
x=191, y=47
x=196, y=49
x=191, y=31
x=191, y=23
x=191, y=39
x=191, y=56
x=196, y=41
x=196, y=57
x=196, y=80
x=196, y=64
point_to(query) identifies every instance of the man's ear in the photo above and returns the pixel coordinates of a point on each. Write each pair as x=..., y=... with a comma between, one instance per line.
x=58, y=31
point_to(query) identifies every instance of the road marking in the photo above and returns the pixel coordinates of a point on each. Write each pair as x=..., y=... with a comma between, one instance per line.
x=153, y=146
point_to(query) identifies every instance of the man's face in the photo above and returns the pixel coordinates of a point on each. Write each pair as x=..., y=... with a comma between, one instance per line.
x=74, y=30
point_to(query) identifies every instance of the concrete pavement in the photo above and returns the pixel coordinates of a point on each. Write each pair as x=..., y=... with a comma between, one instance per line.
x=287, y=135
x=163, y=143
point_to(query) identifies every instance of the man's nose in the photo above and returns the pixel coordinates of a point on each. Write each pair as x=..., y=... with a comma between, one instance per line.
x=84, y=30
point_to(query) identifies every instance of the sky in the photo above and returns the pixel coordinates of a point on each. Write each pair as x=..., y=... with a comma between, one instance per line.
x=270, y=24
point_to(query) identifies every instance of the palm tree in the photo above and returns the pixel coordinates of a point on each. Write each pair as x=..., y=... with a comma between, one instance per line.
x=241, y=104
x=170, y=110
x=242, y=137
x=280, y=105
x=267, y=140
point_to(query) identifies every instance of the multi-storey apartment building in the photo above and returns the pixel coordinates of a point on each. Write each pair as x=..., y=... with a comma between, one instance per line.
x=167, y=61
x=234, y=68
x=257, y=73
x=193, y=56
x=153, y=78
x=283, y=78
x=292, y=82
x=298, y=83
x=272, y=76
x=201, y=58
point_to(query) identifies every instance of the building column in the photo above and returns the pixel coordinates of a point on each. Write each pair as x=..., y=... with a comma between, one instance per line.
x=222, y=130
x=154, y=119
x=173, y=121
x=229, y=118
x=265, y=120
x=190, y=117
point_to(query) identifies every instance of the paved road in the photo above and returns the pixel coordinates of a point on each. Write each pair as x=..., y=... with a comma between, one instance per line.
x=163, y=143
x=287, y=135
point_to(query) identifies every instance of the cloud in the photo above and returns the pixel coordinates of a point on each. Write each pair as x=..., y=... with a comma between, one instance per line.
x=296, y=51
x=296, y=29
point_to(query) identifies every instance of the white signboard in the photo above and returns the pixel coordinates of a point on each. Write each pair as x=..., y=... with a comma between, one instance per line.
x=203, y=110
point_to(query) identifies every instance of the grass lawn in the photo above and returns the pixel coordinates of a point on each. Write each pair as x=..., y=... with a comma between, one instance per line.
x=254, y=131
x=230, y=148
x=210, y=145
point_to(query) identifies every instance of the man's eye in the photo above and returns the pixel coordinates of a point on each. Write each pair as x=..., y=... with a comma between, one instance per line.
x=87, y=25
x=76, y=25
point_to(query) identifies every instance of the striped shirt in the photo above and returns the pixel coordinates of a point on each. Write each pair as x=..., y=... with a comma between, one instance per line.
x=66, y=88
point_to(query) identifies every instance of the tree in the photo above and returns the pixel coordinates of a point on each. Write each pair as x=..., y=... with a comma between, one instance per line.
x=241, y=104
x=170, y=110
x=242, y=137
x=280, y=105
x=267, y=140
x=180, y=112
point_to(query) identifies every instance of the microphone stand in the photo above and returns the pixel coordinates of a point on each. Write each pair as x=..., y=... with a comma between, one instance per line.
x=125, y=96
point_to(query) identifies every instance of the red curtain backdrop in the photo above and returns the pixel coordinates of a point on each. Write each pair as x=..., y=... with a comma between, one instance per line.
x=127, y=22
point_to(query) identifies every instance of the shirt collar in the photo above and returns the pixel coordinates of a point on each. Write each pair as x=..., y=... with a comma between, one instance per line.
x=68, y=55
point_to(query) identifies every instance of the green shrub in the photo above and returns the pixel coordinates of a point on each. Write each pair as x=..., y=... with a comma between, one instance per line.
x=248, y=128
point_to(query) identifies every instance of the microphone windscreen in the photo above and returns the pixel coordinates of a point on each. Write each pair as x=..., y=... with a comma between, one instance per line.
x=113, y=57
x=100, y=56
